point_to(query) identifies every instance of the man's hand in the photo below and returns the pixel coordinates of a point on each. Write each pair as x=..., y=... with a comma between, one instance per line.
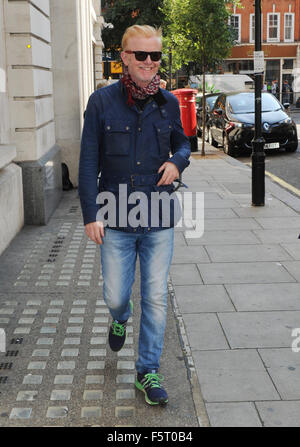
x=95, y=231
x=171, y=173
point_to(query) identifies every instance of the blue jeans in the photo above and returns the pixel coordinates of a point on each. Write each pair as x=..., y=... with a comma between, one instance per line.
x=118, y=257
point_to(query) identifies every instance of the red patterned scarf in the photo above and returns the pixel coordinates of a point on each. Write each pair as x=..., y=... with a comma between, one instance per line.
x=134, y=91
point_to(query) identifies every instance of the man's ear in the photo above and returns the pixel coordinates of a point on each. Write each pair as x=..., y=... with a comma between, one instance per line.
x=124, y=57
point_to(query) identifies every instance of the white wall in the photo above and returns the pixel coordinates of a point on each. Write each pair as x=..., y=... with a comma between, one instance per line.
x=4, y=120
x=30, y=86
x=72, y=25
x=11, y=191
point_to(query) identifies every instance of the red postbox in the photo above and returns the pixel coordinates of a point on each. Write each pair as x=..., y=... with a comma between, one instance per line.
x=187, y=102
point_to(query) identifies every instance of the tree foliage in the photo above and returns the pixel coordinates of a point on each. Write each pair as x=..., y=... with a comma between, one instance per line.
x=193, y=30
x=198, y=31
x=125, y=13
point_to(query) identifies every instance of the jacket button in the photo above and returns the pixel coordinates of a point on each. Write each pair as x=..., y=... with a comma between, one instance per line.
x=158, y=130
x=108, y=128
x=140, y=129
x=127, y=128
x=138, y=162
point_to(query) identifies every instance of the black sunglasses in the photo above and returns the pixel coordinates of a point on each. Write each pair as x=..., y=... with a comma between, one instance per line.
x=142, y=55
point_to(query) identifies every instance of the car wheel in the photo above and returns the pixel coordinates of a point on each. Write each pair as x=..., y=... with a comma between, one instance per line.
x=211, y=139
x=227, y=147
x=292, y=148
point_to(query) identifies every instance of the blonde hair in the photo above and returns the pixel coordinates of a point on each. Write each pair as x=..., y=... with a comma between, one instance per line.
x=140, y=30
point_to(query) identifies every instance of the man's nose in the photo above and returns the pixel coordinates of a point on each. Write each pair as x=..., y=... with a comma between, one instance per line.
x=148, y=59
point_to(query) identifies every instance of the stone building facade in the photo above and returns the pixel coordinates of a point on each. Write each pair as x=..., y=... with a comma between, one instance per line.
x=49, y=65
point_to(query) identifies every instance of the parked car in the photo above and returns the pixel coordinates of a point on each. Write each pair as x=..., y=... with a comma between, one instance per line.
x=231, y=123
x=210, y=99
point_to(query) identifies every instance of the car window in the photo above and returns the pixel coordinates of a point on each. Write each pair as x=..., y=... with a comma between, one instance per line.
x=244, y=103
x=211, y=101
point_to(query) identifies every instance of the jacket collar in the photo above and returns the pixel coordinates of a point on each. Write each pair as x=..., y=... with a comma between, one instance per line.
x=159, y=98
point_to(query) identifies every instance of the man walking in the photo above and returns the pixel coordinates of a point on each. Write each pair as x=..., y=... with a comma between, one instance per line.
x=274, y=88
x=129, y=131
x=287, y=92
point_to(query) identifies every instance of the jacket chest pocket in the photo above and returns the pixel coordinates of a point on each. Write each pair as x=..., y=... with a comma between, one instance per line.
x=117, y=136
x=163, y=132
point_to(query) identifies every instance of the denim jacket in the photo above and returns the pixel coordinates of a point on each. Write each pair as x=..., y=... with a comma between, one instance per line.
x=126, y=145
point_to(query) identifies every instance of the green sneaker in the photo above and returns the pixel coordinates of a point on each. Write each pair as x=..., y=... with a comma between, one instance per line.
x=117, y=333
x=149, y=383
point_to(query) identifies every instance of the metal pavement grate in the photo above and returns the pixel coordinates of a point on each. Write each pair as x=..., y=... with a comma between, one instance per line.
x=16, y=341
x=11, y=353
x=55, y=249
x=73, y=209
x=6, y=365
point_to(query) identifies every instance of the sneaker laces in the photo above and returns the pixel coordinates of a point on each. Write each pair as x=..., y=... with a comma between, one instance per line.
x=118, y=328
x=153, y=380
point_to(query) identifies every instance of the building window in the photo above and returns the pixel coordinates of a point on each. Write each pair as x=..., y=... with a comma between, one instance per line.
x=239, y=66
x=288, y=64
x=252, y=28
x=288, y=27
x=272, y=71
x=235, y=23
x=273, y=27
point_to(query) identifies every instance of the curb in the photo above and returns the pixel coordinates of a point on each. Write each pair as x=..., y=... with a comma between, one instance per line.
x=283, y=193
x=282, y=190
x=189, y=361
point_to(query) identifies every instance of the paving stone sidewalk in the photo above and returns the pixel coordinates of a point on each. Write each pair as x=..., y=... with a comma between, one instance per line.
x=234, y=302
x=238, y=293
x=58, y=369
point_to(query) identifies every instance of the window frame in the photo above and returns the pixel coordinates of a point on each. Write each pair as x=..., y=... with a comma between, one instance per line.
x=252, y=38
x=240, y=25
x=293, y=27
x=273, y=39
